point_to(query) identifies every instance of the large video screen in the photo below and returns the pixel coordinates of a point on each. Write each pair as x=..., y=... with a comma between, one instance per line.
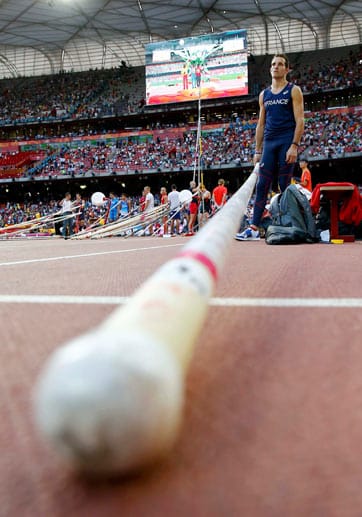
x=206, y=67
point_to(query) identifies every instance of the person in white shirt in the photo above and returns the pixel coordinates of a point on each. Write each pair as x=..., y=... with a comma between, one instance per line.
x=149, y=200
x=149, y=205
x=175, y=212
x=67, y=210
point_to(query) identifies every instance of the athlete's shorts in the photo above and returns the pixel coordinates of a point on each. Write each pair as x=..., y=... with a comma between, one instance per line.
x=112, y=216
x=194, y=208
x=205, y=210
x=175, y=214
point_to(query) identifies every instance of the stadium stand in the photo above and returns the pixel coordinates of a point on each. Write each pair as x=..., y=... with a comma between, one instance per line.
x=121, y=91
x=94, y=109
x=328, y=134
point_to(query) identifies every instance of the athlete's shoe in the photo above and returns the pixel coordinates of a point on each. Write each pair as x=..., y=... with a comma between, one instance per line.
x=248, y=235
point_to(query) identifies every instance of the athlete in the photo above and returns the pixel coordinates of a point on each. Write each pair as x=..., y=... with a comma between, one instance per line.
x=193, y=207
x=149, y=200
x=66, y=211
x=79, y=206
x=175, y=212
x=164, y=201
x=149, y=205
x=185, y=76
x=125, y=205
x=278, y=134
x=113, y=208
x=205, y=205
x=219, y=194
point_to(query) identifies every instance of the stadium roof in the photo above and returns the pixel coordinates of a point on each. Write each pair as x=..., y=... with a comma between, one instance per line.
x=45, y=36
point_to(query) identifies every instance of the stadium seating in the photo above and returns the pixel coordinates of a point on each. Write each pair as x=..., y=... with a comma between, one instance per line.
x=121, y=91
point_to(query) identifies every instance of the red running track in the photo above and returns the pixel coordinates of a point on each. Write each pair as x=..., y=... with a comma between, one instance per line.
x=273, y=419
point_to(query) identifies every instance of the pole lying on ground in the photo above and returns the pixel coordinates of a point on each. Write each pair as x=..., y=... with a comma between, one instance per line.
x=110, y=401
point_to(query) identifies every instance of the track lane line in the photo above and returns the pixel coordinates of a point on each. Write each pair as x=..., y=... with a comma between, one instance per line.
x=215, y=302
x=84, y=255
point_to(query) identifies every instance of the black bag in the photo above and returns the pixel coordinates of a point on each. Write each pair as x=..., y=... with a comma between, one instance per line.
x=292, y=219
x=284, y=235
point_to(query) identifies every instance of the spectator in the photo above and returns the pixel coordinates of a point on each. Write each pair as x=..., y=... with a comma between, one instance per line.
x=306, y=178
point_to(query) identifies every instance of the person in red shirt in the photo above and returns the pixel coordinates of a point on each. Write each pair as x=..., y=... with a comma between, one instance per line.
x=198, y=72
x=219, y=194
x=306, y=178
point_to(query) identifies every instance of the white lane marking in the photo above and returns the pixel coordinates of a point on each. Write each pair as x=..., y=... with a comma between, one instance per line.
x=287, y=302
x=66, y=299
x=216, y=302
x=69, y=257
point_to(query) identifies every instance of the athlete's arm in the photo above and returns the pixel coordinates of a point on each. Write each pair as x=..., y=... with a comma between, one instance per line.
x=298, y=110
x=147, y=202
x=259, y=133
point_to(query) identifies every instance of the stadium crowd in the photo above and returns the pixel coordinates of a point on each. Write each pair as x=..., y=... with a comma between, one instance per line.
x=92, y=94
x=227, y=137
x=119, y=91
x=320, y=76
x=15, y=213
x=327, y=135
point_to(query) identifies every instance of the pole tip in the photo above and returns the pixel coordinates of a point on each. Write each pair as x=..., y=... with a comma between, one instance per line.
x=110, y=404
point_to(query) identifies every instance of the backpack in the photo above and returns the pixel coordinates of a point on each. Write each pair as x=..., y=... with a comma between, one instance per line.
x=292, y=219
